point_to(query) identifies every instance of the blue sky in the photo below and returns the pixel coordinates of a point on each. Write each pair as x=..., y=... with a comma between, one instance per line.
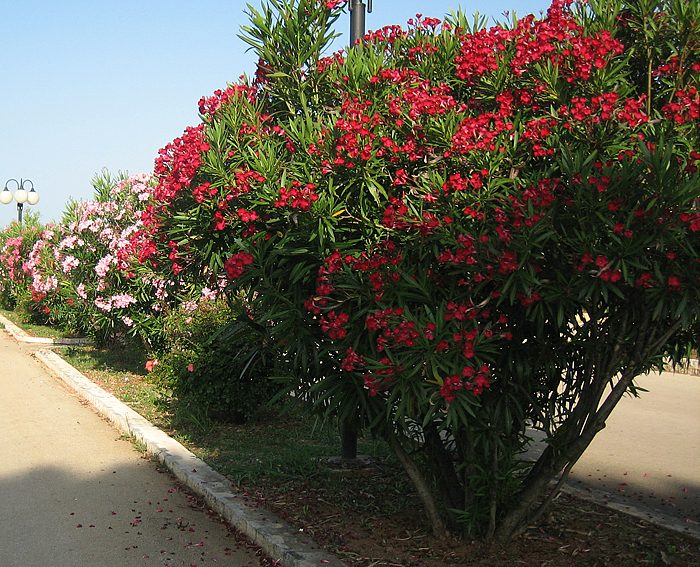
x=93, y=84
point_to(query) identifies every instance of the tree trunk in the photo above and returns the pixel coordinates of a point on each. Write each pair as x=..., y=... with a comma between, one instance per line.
x=422, y=487
x=443, y=464
x=550, y=464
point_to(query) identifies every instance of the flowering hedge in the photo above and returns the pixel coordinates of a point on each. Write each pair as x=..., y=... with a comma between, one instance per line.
x=16, y=241
x=455, y=233
x=80, y=275
x=450, y=234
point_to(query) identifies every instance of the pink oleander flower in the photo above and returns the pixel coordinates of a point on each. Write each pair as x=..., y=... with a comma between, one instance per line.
x=160, y=289
x=103, y=265
x=103, y=305
x=69, y=264
x=68, y=242
x=209, y=294
x=41, y=285
x=122, y=300
x=189, y=306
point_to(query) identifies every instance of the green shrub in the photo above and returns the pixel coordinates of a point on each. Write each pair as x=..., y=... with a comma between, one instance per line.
x=472, y=230
x=213, y=364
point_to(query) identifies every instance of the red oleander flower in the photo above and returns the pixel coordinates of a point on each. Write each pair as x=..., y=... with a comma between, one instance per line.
x=235, y=264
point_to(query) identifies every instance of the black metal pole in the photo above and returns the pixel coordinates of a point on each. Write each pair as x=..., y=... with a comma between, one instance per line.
x=349, y=427
x=357, y=20
x=20, y=208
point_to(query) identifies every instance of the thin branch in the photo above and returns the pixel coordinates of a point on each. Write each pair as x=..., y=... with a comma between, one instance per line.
x=421, y=485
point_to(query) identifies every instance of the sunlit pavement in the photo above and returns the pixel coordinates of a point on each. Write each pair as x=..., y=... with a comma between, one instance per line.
x=648, y=456
x=73, y=493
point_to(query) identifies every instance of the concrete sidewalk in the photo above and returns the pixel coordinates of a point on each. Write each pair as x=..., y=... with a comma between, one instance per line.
x=647, y=459
x=74, y=492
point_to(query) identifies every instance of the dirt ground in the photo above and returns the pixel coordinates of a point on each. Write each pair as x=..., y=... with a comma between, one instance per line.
x=575, y=533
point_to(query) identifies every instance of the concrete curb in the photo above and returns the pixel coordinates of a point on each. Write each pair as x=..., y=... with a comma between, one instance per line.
x=277, y=539
x=22, y=336
x=609, y=500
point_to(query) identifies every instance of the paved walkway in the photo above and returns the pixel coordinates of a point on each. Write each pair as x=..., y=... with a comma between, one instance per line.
x=73, y=493
x=648, y=456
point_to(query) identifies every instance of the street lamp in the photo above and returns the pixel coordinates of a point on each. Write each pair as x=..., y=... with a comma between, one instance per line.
x=357, y=19
x=21, y=195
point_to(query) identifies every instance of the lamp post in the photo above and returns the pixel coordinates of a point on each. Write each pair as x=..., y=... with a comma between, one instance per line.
x=349, y=427
x=357, y=19
x=21, y=195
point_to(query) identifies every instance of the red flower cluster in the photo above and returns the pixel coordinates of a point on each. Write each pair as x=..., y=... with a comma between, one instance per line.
x=537, y=131
x=244, y=181
x=333, y=324
x=685, y=107
x=352, y=360
x=178, y=162
x=463, y=254
x=479, y=133
x=693, y=221
x=358, y=138
x=236, y=263
x=556, y=39
x=394, y=329
x=203, y=192
x=423, y=99
x=208, y=106
x=333, y=4
x=297, y=196
x=470, y=380
x=380, y=268
x=601, y=267
x=381, y=379
x=480, y=53
x=387, y=34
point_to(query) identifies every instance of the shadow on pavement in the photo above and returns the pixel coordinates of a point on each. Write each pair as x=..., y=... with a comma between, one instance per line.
x=51, y=517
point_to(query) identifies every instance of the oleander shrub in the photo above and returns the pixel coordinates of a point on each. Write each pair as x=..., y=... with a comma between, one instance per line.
x=16, y=243
x=84, y=274
x=451, y=233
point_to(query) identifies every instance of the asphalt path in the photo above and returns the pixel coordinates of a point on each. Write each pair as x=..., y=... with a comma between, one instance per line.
x=73, y=493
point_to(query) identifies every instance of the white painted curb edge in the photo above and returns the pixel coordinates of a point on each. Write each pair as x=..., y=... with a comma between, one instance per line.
x=276, y=538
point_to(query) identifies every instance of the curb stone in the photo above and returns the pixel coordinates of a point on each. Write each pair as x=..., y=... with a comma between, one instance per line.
x=275, y=537
x=22, y=336
x=609, y=500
